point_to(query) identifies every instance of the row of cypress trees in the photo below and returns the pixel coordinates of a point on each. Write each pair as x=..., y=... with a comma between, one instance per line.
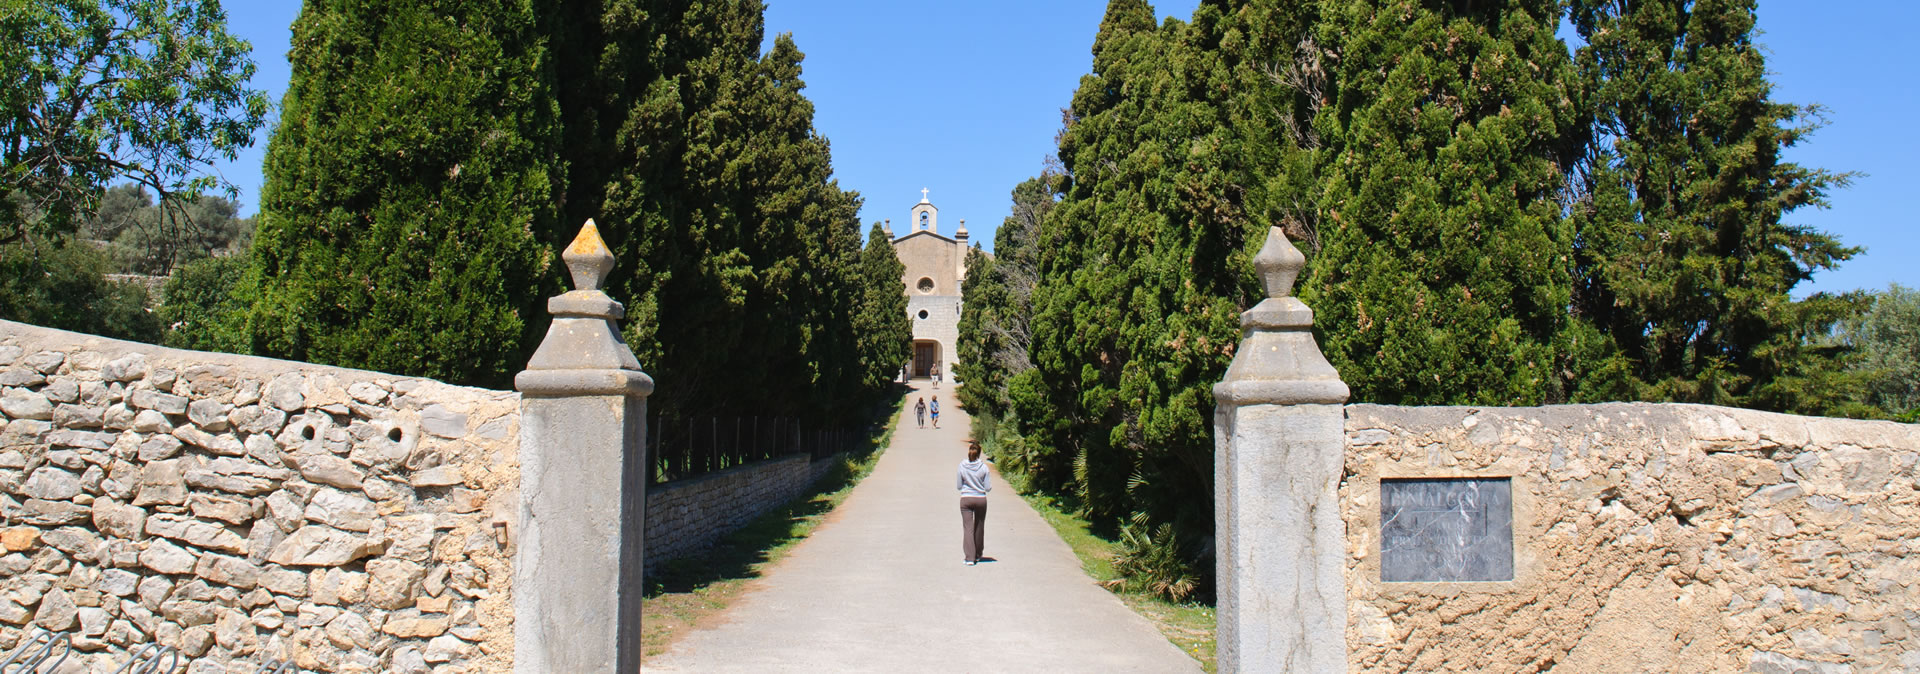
x=1491, y=217
x=432, y=156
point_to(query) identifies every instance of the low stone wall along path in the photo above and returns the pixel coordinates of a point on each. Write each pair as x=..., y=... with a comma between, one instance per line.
x=880, y=587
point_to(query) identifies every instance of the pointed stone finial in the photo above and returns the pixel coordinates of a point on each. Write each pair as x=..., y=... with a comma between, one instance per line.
x=1278, y=263
x=587, y=258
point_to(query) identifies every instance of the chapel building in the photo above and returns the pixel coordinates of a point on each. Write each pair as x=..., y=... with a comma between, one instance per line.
x=935, y=266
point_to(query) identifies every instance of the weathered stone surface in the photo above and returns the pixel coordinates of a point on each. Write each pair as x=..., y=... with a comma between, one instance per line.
x=286, y=510
x=392, y=583
x=284, y=581
x=53, y=513
x=52, y=484
x=209, y=414
x=258, y=419
x=315, y=545
x=445, y=648
x=62, y=390
x=118, y=417
x=151, y=421
x=229, y=510
x=77, y=542
x=165, y=403
x=341, y=510
x=350, y=631
x=284, y=392
x=409, y=624
x=165, y=557
x=245, y=485
x=195, y=641
x=159, y=447
x=438, y=420
x=130, y=367
x=10, y=353
x=57, y=612
x=16, y=539
x=81, y=439
x=367, y=392
x=45, y=362
x=335, y=586
x=119, y=520
x=119, y=582
x=229, y=571
x=196, y=533
x=162, y=483
x=328, y=470
x=21, y=377
x=441, y=476
x=24, y=404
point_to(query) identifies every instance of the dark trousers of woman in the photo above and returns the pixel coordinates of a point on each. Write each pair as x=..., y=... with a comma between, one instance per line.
x=973, y=526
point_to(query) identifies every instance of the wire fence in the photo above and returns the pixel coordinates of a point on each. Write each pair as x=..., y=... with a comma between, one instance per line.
x=680, y=448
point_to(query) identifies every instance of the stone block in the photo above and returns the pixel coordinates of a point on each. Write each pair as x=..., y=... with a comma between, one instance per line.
x=130, y=367
x=316, y=545
x=438, y=420
x=284, y=392
x=210, y=414
x=165, y=557
x=151, y=421
x=439, y=476
x=196, y=533
x=328, y=470
x=57, y=612
x=164, y=403
x=53, y=513
x=228, y=571
x=118, y=520
x=229, y=510
x=20, y=377
x=24, y=404
x=52, y=484
x=341, y=510
x=45, y=362
x=159, y=448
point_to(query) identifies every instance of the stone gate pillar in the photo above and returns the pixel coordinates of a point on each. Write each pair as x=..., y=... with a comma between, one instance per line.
x=1279, y=444
x=583, y=475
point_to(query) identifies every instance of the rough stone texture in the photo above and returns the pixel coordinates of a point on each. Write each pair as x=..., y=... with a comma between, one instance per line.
x=154, y=494
x=687, y=516
x=1649, y=537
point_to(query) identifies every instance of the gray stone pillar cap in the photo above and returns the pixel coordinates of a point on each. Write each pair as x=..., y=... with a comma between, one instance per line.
x=1278, y=362
x=582, y=353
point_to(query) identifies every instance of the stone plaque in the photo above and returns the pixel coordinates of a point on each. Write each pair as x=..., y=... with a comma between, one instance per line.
x=1446, y=530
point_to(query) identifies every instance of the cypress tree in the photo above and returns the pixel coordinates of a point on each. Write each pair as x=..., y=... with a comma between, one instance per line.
x=1685, y=264
x=410, y=189
x=885, y=333
x=1442, y=276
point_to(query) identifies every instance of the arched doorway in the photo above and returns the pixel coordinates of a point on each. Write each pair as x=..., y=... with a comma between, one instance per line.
x=926, y=352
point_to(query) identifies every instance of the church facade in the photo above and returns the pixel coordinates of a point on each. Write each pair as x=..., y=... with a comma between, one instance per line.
x=935, y=266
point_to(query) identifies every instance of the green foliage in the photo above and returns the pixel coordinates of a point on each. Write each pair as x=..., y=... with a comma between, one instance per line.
x=202, y=306
x=995, y=333
x=884, y=332
x=1887, y=338
x=739, y=259
x=1151, y=563
x=98, y=91
x=144, y=238
x=1442, y=276
x=1685, y=266
x=408, y=213
x=62, y=284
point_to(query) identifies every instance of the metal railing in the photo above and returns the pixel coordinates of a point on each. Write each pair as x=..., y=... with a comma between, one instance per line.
x=680, y=448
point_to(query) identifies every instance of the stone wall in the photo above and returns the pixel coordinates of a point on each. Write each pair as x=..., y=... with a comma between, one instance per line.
x=244, y=509
x=687, y=516
x=1648, y=538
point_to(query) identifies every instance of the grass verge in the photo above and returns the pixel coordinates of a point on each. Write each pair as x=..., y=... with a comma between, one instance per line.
x=684, y=593
x=1189, y=625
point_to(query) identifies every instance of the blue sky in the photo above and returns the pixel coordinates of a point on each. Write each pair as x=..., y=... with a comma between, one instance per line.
x=963, y=98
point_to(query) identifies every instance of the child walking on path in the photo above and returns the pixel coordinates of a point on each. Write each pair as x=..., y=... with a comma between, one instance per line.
x=935, y=410
x=973, y=483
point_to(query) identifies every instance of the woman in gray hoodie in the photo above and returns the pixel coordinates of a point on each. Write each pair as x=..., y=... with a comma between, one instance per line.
x=973, y=484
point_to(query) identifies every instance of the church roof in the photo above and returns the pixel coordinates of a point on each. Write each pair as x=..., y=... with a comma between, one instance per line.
x=936, y=235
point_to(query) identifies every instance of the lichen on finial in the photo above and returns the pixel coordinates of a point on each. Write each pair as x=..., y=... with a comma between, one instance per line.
x=587, y=258
x=1278, y=263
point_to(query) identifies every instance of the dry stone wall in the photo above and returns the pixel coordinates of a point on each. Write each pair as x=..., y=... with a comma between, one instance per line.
x=245, y=509
x=1648, y=538
x=687, y=516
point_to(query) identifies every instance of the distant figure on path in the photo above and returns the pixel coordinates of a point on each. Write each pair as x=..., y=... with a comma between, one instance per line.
x=973, y=485
x=935, y=372
x=920, y=412
x=935, y=410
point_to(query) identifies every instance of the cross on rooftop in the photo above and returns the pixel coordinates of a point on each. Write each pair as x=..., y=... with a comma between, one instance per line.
x=923, y=194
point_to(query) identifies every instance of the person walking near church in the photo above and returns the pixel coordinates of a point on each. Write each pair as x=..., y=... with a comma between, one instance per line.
x=934, y=409
x=920, y=413
x=973, y=483
x=935, y=373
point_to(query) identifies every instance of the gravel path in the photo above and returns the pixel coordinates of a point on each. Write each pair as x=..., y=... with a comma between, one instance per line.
x=880, y=587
